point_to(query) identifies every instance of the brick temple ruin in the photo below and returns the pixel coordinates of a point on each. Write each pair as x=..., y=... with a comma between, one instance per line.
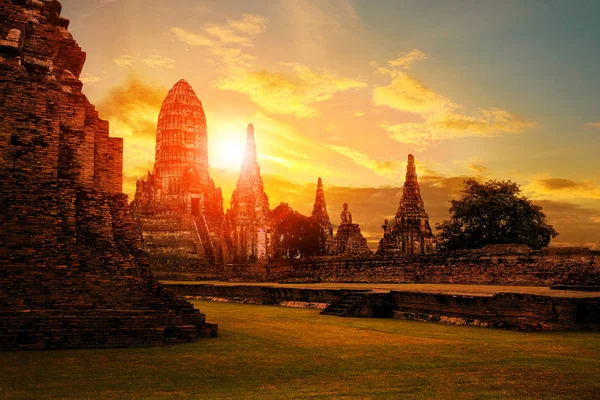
x=249, y=218
x=180, y=212
x=412, y=233
x=72, y=271
x=320, y=214
x=178, y=208
x=349, y=240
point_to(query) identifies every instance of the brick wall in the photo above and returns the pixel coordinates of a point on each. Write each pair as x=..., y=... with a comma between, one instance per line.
x=71, y=268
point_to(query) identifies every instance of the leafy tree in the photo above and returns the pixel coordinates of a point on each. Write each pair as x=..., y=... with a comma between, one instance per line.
x=494, y=213
x=296, y=235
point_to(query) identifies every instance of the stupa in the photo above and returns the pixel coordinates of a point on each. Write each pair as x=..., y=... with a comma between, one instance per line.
x=248, y=217
x=319, y=213
x=178, y=208
x=412, y=233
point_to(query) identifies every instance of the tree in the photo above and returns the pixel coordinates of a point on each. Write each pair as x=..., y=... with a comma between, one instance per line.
x=295, y=235
x=494, y=213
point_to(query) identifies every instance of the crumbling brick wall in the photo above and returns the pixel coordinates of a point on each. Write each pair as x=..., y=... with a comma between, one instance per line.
x=71, y=269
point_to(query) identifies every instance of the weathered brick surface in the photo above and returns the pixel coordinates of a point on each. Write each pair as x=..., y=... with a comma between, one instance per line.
x=71, y=269
x=516, y=311
x=495, y=265
x=249, y=215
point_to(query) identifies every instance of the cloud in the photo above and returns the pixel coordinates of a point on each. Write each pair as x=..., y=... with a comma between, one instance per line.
x=124, y=61
x=294, y=92
x=593, y=125
x=565, y=187
x=404, y=61
x=249, y=24
x=157, y=61
x=292, y=89
x=132, y=109
x=490, y=122
x=191, y=38
x=233, y=32
x=88, y=79
x=577, y=225
x=408, y=94
x=440, y=117
x=380, y=167
x=478, y=169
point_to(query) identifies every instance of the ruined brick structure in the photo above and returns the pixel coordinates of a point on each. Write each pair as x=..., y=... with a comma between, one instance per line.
x=179, y=210
x=319, y=213
x=71, y=269
x=248, y=217
x=348, y=239
x=412, y=233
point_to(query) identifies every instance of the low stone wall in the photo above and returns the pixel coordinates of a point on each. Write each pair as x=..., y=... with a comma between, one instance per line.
x=495, y=265
x=503, y=310
x=487, y=267
x=258, y=294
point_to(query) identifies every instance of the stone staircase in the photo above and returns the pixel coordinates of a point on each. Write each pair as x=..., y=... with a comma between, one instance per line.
x=348, y=305
x=175, y=245
x=202, y=238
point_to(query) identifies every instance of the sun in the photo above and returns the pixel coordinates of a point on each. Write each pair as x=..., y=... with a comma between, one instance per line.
x=227, y=151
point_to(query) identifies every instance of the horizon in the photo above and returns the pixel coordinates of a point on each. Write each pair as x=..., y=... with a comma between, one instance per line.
x=467, y=89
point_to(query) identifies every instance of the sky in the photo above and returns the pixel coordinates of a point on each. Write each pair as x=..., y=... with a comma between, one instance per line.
x=346, y=89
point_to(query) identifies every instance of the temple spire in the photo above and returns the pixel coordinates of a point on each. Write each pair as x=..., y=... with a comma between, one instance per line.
x=320, y=207
x=320, y=214
x=411, y=170
x=412, y=231
x=250, y=153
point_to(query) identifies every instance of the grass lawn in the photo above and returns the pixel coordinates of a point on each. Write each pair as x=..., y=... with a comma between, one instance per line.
x=269, y=352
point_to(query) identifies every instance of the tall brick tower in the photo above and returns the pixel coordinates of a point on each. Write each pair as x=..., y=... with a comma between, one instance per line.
x=319, y=213
x=178, y=208
x=249, y=213
x=412, y=231
x=181, y=142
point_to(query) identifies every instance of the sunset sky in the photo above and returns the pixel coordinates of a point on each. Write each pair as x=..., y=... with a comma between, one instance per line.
x=346, y=89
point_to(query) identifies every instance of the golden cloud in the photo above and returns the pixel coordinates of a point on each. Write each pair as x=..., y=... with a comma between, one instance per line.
x=193, y=39
x=132, y=111
x=157, y=61
x=408, y=94
x=124, y=61
x=444, y=126
x=578, y=226
x=593, y=125
x=132, y=108
x=249, y=24
x=233, y=32
x=295, y=92
x=380, y=167
x=88, y=79
x=404, y=61
x=479, y=169
x=441, y=121
x=565, y=187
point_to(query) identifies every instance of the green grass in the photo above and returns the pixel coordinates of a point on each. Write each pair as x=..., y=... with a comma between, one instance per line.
x=268, y=352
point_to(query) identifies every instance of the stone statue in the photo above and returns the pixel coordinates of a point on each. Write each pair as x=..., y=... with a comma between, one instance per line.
x=346, y=215
x=386, y=228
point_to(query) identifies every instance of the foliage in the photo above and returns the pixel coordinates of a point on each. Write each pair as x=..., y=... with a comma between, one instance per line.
x=494, y=213
x=295, y=235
